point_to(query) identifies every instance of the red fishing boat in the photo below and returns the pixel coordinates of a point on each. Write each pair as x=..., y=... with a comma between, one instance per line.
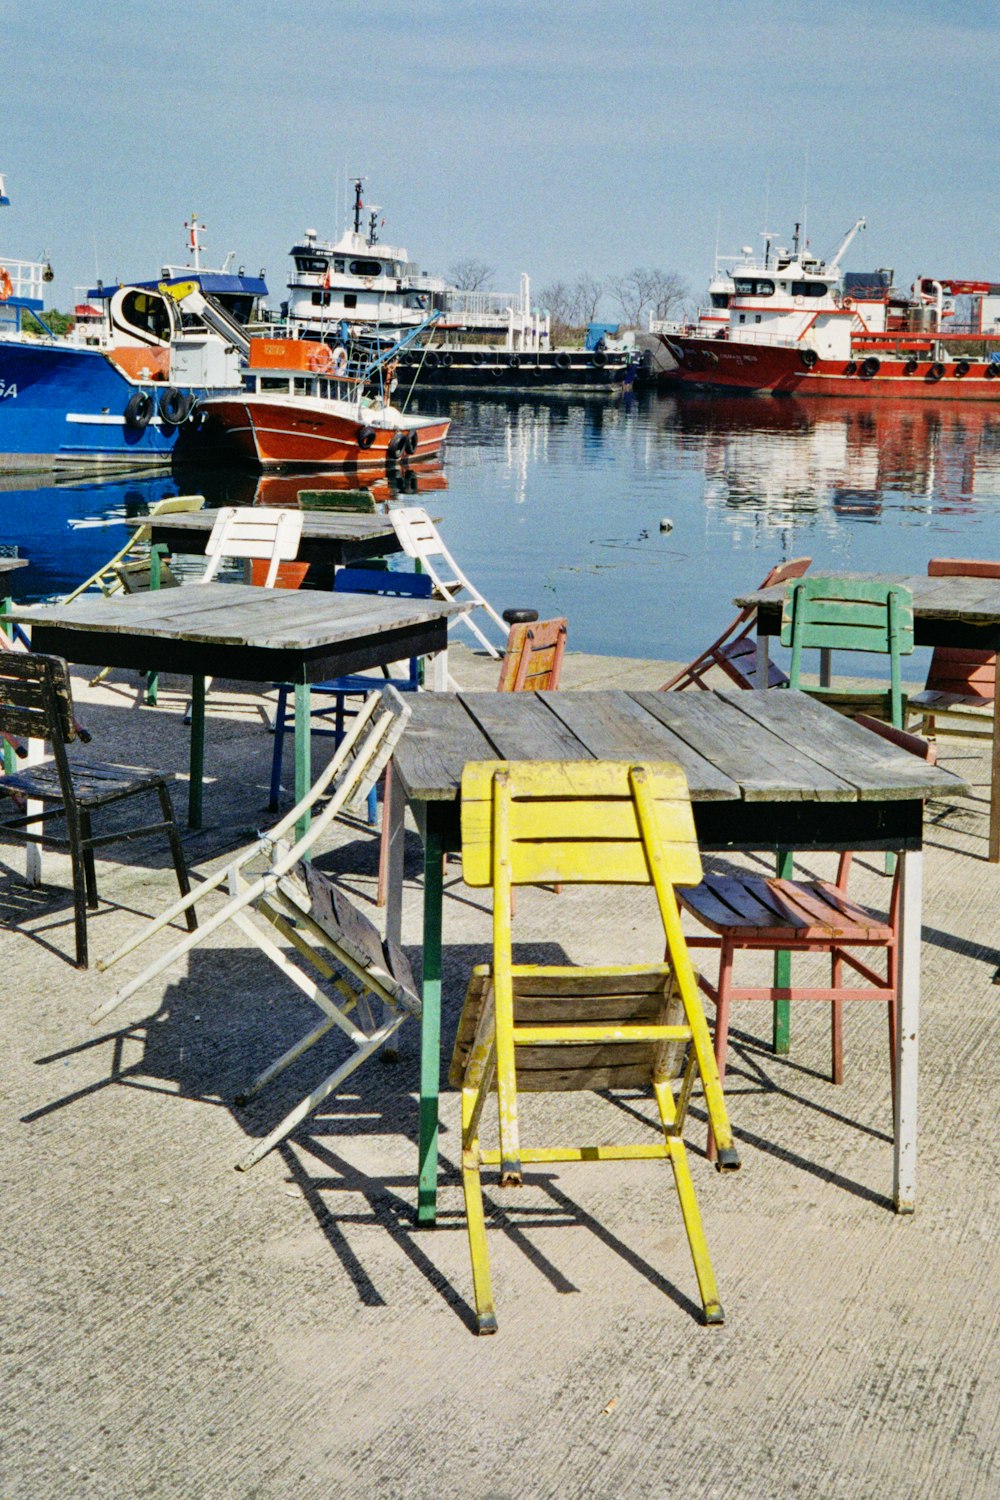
x=302, y=408
x=794, y=328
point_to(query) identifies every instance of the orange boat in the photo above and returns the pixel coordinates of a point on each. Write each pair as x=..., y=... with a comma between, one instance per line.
x=302, y=408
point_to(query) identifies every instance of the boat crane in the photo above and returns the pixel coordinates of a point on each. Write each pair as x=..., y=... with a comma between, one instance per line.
x=834, y=264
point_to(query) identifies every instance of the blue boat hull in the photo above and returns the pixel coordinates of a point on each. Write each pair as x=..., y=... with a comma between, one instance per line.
x=65, y=408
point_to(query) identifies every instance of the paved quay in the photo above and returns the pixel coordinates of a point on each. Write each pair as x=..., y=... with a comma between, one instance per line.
x=175, y=1329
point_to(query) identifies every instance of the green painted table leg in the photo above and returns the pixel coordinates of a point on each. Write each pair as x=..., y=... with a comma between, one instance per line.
x=153, y=678
x=303, y=751
x=430, y=1026
x=197, y=751
x=781, y=1021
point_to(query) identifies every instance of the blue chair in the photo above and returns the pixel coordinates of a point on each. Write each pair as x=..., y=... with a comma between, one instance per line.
x=351, y=581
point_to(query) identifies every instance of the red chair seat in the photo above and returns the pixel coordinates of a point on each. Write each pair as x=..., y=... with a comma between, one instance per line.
x=783, y=913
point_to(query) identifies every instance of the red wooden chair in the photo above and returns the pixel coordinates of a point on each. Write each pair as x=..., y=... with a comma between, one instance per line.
x=735, y=651
x=760, y=914
x=961, y=682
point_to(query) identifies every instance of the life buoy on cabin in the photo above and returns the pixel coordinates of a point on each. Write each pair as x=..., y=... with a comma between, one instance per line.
x=563, y=360
x=6, y=285
x=936, y=371
x=175, y=407
x=412, y=439
x=340, y=361
x=808, y=357
x=871, y=366
x=962, y=367
x=366, y=436
x=320, y=359
x=848, y=302
x=799, y=301
x=139, y=410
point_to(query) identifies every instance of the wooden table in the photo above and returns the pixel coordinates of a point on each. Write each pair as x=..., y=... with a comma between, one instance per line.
x=335, y=538
x=946, y=612
x=767, y=771
x=251, y=634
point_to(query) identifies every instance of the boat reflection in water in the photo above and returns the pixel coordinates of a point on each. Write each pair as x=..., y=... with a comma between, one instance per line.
x=841, y=458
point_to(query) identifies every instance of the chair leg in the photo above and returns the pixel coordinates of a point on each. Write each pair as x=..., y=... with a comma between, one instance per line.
x=722, y=1005
x=78, y=865
x=836, y=1019
x=177, y=853
x=711, y=1306
x=472, y=1189
x=277, y=753
x=89, y=867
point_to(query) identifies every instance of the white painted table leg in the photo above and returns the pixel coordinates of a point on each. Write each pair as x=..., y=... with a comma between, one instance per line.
x=439, y=672
x=763, y=661
x=33, y=852
x=394, y=814
x=904, y=1183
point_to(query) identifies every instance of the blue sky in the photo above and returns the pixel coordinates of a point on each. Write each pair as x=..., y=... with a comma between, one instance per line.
x=556, y=138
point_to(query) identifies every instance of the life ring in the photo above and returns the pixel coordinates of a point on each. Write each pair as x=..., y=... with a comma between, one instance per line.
x=808, y=358
x=139, y=410
x=799, y=301
x=910, y=368
x=6, y=285
x=848, y=302
x=397, y=446
x=340, y=361
x=563, y=360
x=513, y=362
x=366, y=436
x=936, y=371
x=962, y=367
x=175, y=407
x=320, y=359
x=871, y=366
x=600, y=358
x=412, y=439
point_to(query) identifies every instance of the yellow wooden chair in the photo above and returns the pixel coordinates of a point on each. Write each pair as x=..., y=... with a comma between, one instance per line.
x=556, y=1028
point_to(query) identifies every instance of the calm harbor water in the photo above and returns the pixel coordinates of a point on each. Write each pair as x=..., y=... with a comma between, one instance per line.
x=557, y=504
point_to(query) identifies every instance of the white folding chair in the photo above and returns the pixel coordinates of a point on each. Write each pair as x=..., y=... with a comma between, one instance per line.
x=420, y=539
x=271, y=880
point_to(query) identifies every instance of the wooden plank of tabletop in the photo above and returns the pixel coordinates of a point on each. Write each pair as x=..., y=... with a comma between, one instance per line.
x=766, y=767
x=437, y=743
x=613, y=726
x=877, y=769
x=522, y=728
x=320, y=525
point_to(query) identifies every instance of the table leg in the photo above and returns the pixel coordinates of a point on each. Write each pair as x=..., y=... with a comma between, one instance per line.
x=197, y=751
x=394, y=813
x=439, y=672
x=763, y=661
x=904, y=1167
x=994, y=845
x=430, y=1024
x=781, y=1025
x=303, y=751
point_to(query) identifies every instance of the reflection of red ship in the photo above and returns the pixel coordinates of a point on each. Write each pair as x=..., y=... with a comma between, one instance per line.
x=283, y=489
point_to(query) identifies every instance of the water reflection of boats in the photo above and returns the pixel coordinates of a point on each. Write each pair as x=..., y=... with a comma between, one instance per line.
x=845, y=455
x=223, y=486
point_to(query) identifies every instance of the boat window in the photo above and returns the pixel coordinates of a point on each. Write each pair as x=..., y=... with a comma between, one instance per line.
x=310, y=263
x=321, y=299
x=366, y=268
x=350, y=299
x=809, y=288
x=338, y=265
x=147, y=312
x=720, y=299
x=748, y=287
x=273, y=383
x=303, y=385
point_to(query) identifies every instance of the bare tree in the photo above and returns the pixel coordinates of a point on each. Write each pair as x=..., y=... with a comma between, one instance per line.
x=584, y=298
x=646, y=290
x=557, y=301
x=469, y=275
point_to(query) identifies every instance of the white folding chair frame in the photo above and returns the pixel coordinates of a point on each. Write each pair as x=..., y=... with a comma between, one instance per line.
x=421, y=540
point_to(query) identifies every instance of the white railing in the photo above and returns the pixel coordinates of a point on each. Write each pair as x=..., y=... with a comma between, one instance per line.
x=27, y=277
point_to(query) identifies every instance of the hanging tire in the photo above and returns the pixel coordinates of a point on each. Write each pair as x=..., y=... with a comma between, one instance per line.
x=139, y=410
x=478, y=357
x=513, y=362
x=910, y=368
x=599, y=358
x=397, y=447
x=851, y=368
x=936, y=371
x=366, y=436
x=871, y=366
x=808, y=358
x=412, y=439
x=432, y=359
x=992, y=371
x=446, y=359
x=563, y=361
x=962, y=368
x=175, y=406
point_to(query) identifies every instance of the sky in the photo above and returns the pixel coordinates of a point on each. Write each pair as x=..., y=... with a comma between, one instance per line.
x=558, y=139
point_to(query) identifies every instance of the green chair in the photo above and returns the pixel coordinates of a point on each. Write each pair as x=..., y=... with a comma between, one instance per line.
x=850, y=614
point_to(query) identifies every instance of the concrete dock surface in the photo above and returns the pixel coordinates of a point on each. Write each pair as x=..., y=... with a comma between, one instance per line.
x=173, y=1328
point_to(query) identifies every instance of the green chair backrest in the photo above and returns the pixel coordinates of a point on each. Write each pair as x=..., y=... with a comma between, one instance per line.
x=358, y=502
x=849, y=614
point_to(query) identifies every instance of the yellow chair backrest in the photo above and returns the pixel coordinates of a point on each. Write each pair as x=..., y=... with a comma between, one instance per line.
x=576, y=822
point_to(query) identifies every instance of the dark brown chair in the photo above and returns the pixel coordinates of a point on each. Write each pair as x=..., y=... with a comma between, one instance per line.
x=36, y=703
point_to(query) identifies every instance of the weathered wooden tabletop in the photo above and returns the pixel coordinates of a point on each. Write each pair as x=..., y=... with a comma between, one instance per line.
x=327, y=536
x=745, y=747
x=951, y=601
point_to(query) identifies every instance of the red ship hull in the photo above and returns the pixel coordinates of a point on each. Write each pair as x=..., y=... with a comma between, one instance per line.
x=778, y=370
x=275, y=434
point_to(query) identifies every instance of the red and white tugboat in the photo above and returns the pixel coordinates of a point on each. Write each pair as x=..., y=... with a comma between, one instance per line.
x=793, y=329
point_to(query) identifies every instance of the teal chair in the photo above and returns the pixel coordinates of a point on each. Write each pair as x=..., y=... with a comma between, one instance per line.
x=850, y=614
